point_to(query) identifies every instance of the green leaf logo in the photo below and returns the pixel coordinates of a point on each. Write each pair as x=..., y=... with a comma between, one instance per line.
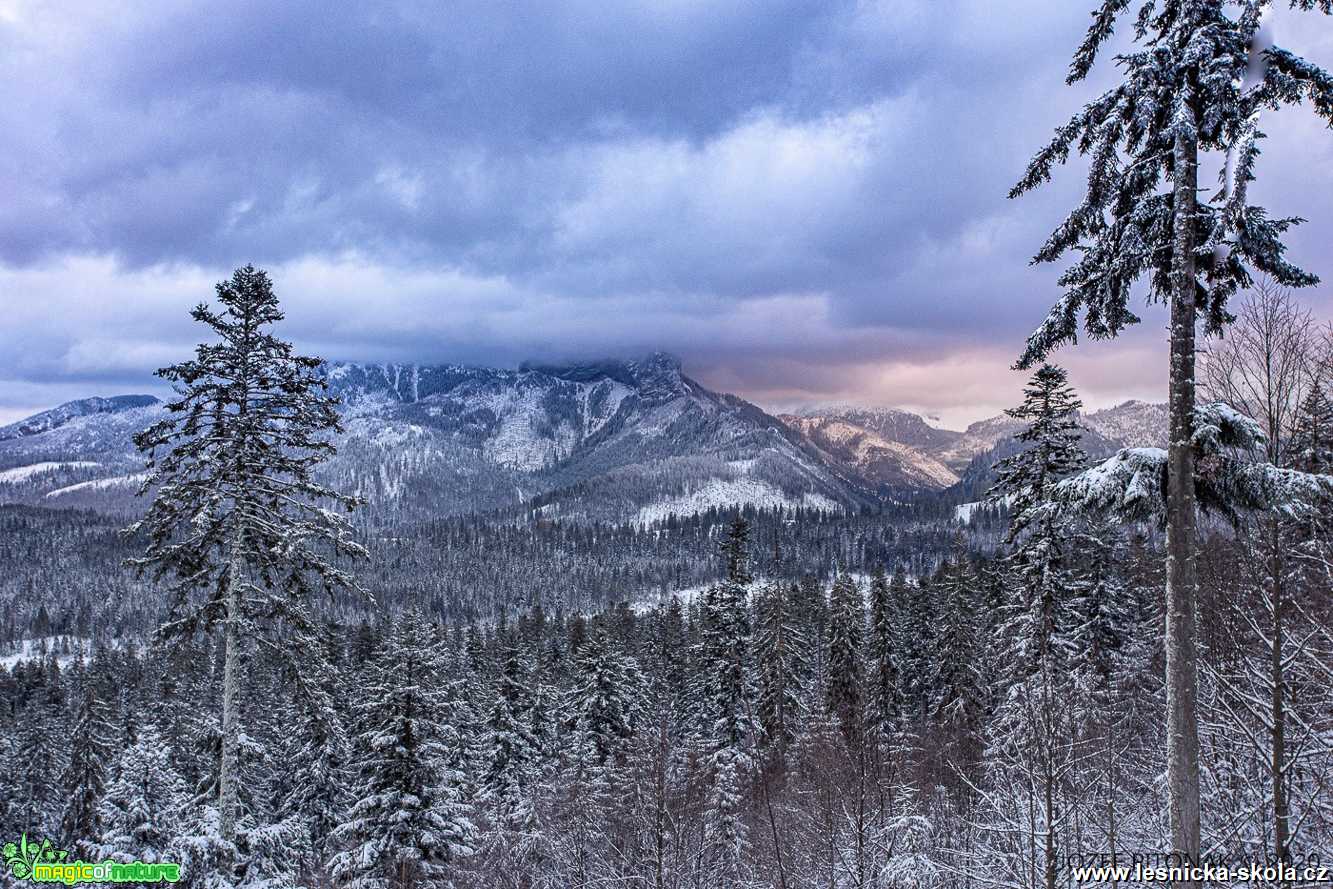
x=21, y=857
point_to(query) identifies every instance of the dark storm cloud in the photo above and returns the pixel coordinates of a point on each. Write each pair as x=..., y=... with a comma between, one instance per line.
x=805, y=199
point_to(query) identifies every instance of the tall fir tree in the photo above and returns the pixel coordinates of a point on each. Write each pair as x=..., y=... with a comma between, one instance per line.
x=1031, y=734
x=1043, y=578
x=725, y=674
x=236, y=514
x=1197, y=80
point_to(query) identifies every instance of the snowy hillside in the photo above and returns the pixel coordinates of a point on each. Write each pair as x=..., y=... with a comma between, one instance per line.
x=1135, y=424
x=886, y=461
x=901, y=450
x=67, y=415
x=611, y=440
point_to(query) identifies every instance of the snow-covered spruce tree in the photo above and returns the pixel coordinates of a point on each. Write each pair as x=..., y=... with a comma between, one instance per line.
x=1031, y=742
x=407, y=821
x=602, y=706
x=844, y=693
x=962, y=665
x=84, y=780
x=729, y=726
x=1196, y=82
x=916, y=659
x=600, y=712
x=1312, y=441
x=1051, y=452
x=236, y=519
x=1051, y=449
x=781, y=662
x=317, y=752
x=141, y=810
x=512, y=749
x=40, y=760
x=883, y=647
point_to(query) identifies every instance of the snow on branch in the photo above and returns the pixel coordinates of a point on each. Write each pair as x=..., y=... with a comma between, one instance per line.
x=1131, y=486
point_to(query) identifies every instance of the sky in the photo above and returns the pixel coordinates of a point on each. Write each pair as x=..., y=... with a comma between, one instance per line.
x=806, y=201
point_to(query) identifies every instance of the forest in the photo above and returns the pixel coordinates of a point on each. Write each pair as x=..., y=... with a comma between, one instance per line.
x=1113, y=664
x=873, y=701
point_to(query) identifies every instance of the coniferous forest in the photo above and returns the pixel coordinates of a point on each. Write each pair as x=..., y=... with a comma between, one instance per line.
x=1104, y=661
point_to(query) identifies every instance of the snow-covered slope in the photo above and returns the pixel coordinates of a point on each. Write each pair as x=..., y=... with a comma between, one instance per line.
x=616, y=440
x=1133, y=424
x=901, y=450
x=890, y=424
x=611, y=440
x=68, y=414
x=886, y=461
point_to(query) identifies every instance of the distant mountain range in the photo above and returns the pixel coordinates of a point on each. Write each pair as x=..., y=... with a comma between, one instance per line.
x=896, y=449
x=611, y=441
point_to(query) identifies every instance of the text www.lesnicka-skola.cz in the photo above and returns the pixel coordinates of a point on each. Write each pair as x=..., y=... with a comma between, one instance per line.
x=1172, y=868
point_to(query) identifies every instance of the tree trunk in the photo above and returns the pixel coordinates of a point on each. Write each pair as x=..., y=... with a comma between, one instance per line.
x=1182, y=728
x=1050, y=830
x=1281, y=806
x=230, y=682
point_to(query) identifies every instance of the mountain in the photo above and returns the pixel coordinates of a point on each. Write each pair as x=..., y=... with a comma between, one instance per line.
x=899, y=449
x=1134, y=424
x=855, y=441
x=609, y=441
x=979, y=438
x=71, y=411
x=890, y=424
x=79, y=454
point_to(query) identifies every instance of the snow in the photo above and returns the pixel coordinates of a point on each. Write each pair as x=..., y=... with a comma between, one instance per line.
x=1130, y=483
x=36, y=649
x=963, y=511
x=719, y=493
x=23, y=473
x=1219, y=425
x=99, y=484
x=1132, y=424
x=811, y=500
x=616, y=393
x=515, y=442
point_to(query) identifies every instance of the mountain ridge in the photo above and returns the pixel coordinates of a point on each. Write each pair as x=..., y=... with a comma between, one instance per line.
x=607, y=440
x=611, y=440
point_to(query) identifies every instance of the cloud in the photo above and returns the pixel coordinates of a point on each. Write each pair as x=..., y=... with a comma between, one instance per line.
x=804, y=199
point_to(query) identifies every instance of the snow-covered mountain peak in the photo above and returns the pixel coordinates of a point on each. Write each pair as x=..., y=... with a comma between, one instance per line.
x=72, y=410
